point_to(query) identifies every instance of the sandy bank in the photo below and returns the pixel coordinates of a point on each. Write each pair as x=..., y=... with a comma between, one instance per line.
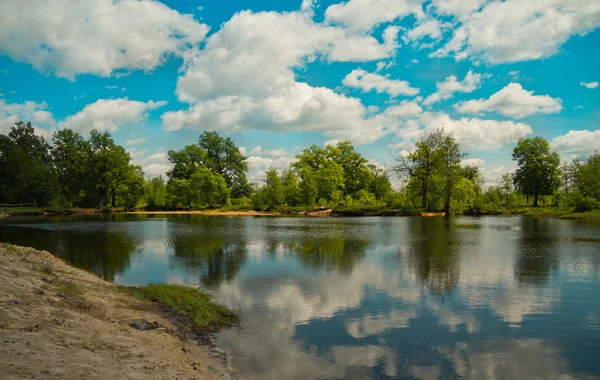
x=57, y=321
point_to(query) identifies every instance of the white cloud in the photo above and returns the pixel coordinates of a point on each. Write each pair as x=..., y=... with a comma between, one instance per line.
x=589, y=84
x=255, y=54
x=366, y=81
x=512, y=101
x=473, y=162
x=153, y=165
x=109, y=114
x=258, y=150
x=432, y=28
x=514, y=30
x=447, y=88
x=35, y=113
x=458, y=8
x=363, y=15
x=580, y=143
x=404, y=109
x=475, y=133
x=70, y=37
x=263, y=163
x=135, y=141
x=245, y=78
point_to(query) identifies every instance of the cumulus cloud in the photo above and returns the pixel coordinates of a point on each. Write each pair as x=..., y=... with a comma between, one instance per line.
x=513, y=30
x=254, y=53
x=457, y=8
x=579, y=143
x=473, y=162
x=477, y=133
x=404, y=109
x=513, y=101
x=153, y=165
x=363, y=15
x=471, y=133
x=366, y=81
x=244, y=78
x=432, y=28
x=447, y=88
x=589, y=84
x=96, y=37
x=109, y=115
x=35, y=113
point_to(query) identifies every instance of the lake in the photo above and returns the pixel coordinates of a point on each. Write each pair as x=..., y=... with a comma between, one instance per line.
x=381, y=297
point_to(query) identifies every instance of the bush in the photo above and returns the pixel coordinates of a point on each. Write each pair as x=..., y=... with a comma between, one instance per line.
x=586, y=204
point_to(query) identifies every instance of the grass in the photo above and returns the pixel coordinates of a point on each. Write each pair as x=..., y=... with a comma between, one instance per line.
x=593, y=214
x=192, y=306
x=12, y=248
x=46, y=267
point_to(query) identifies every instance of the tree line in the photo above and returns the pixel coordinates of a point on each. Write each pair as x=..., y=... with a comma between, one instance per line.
x=95, y=172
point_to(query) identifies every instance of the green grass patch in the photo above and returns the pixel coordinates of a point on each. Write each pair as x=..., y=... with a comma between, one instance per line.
x=593, y=214
x=191, y=305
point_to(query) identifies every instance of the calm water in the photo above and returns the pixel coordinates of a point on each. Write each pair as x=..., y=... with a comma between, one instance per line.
x=422, y=298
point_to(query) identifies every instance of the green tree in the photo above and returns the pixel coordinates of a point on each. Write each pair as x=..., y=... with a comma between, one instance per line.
x=422, y=163
x=313, y=158
x=308, y=186
x=291, y=188
x=588, y=181
x=273, y=190
x=156, y=192
x=505, y=187
x=208, y=189
x=28, y=174
x=109, y=166
x=538, y=170
x=223, y=157
x=186, y=161
x=179, y=193
x=451, y=157
x=329, y=179
x=357, y=176
x=379, y=185
x=132, y=187
x=72, y=155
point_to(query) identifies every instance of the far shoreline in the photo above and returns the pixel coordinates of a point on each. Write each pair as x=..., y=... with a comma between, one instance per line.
x=540, y=212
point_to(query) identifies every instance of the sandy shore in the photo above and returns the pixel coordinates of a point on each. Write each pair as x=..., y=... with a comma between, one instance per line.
x=59, y=322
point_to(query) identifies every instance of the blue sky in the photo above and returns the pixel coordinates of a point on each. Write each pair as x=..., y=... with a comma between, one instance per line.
x=278, y=76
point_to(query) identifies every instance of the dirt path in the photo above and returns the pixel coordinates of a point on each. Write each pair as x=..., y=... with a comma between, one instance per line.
x=58, y=322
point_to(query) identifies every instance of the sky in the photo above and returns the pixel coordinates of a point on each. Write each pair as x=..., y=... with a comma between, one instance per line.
x=280, y=75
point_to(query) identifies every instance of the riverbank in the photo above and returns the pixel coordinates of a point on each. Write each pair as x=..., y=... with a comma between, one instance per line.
x=57, y=321
x=536, y=212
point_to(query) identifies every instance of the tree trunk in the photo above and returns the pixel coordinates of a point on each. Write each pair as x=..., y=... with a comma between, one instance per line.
x=424, y=195
x=535, y=200
x=114, y=200
x=101, y=199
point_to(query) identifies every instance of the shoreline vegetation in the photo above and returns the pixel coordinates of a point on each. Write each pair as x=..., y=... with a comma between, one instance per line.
x=57, y=320
x=535, y=212
x=210, y=177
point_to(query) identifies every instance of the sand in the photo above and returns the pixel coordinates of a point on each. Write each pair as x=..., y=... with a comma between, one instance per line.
x=59, y=322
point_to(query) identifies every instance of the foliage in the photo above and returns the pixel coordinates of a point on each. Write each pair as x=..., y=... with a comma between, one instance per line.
x=273, y=189
x=156, y=192
x=27, y=172
x=421, y=164
x=538, y=170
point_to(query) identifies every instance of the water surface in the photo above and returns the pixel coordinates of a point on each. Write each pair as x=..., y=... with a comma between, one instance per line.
x=414, y=298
